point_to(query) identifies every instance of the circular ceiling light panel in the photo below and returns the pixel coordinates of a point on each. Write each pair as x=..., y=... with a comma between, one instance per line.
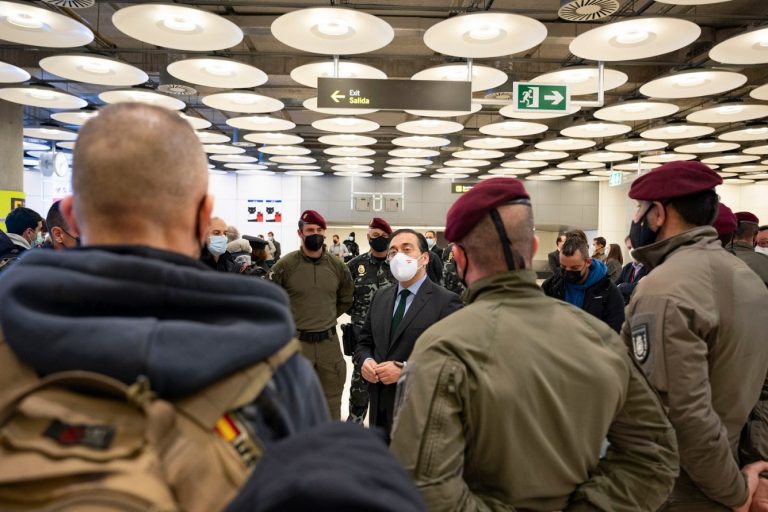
x=493, y=143
x=524, y=164
x=634, y=39
x=332, y=31
x=636, y=166
x=43, y=97
x=247, y=167
x=730, y=159
x=757, y=150
x=243, y=102
x=284, y=150
x=746, y=168
x=10, y=74
x=308, y=74
x=34, y=146
x=637, y=145
x=74, y=118
x=636, y=111
x=401, y=168
x=177, y=27
x=449, y=176
x=141, y=96
x=351, y=160
x=478, y=154
x=760, y=93
x=400, y=175
x=311, y=104
x=247, y=172
x=260, y=123
x=693, y=84
x=747, y=134
x=604, y=173
x=303, y=174
x=50, y=134
x=596, y=130
x=33, y=26
x=454, y=170
x=31, y=162
x=413, y=153
x=565, y=144
x=346, y=139
x=299, y=167
x=737, y=181
x=513, y=129
x=541, y=155
x=729, y=113
x=758, y=176
x=583, y=166
x=408, y=162
x=474, y=108
x=544, y=177
x=509, y=111
x=212, y=138
x=273, y=138
x=217, y=72
x=483, y=77
x=707, y=146
x=345, y=125
x=501, y=171
x=590, y=178
x=196, y=122
x=747, y=48
x=430, y=127
x=485, y=34
x=677, y=131
x=582, y=79
x=235, y=159
x=663, y=158
x=691, y=2
x=561, y=172
x=466, y=163
x=420, y=141
x=292, y=160
x=352, y=168
x=349, y=151
x=492, y=176
x=343, y=174
x=604, y=156
x=94, y=69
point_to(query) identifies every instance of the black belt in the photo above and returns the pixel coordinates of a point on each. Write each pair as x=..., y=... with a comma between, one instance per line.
x=315, y=337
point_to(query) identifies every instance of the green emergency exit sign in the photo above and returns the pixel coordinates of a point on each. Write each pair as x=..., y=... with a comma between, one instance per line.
x=530, y=97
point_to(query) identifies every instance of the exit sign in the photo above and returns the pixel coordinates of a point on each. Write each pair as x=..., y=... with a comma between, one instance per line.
x=530, y=97
x=616, y=179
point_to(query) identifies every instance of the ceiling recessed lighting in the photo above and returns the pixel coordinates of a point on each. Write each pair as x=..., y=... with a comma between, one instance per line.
x=632, y=37
x=484, y=33
x=729, y=109
x=179, y=24
x=333, y=27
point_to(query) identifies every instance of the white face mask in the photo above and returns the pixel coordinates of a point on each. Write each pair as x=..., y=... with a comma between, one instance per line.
x=430, y=242
x=762, y=250
x=403, y=267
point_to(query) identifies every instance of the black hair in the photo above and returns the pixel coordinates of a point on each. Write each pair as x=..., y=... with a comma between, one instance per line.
x=762, y=228
x=746, y=229
x=423, y=247
x=575, y=241
x=698, y=209
x=430, y=231
x=55, y=219
x=560, y=234
x=600, y=240
x=20, y=219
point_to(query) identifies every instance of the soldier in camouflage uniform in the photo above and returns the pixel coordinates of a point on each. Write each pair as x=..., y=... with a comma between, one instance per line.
x=451, y=281
x=370, y=271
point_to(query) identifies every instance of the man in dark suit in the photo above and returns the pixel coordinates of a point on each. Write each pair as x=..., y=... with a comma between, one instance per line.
x=553, y=258
x=397, y=317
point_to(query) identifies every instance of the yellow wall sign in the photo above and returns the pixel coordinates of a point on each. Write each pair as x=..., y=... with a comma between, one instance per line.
x=9, y=200
x=460, y=188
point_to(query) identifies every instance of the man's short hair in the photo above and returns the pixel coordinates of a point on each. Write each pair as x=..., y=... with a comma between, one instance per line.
x=697, y=209
x=600, y=240
x=269, y=233
x=575, y=241
x=430, y=231
x=560, y=234
x=483, y=245
x=746, y=230
x=20, y=219
x=423, y=246
x=55, y=219
x=762, y=228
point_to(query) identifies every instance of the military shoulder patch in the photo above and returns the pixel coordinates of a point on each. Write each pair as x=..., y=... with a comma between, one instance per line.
x=641, y=346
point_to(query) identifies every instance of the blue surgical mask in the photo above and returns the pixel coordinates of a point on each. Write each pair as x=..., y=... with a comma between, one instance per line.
x=217, y=245
x=430, y=242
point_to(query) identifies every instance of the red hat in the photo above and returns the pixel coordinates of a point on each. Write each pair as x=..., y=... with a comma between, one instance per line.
x=312, y=217
x=379, y=223
x=475, y=204
x=747, y=217
x=674, y=179
x=725, y=223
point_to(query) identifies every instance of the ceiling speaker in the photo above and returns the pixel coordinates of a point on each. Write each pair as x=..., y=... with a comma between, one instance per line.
x=587, y=10
x=72, y=4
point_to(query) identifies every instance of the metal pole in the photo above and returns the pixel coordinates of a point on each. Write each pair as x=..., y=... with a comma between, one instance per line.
x=469, y=70
x=335, y=66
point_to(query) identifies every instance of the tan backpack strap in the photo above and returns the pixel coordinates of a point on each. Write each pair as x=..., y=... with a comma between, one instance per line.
x=207, y=406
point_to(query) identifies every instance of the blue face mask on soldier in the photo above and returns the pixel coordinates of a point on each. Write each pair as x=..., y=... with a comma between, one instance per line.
x=217, y=245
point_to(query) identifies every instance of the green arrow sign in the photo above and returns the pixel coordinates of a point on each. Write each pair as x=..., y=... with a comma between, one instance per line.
x=530, y=97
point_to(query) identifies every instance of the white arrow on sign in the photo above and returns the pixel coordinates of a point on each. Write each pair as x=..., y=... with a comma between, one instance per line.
x=336, y=96
x=555, y=97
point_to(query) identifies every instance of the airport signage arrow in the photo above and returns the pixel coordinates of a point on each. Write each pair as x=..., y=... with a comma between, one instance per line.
x=385, y=94
x=542, y=98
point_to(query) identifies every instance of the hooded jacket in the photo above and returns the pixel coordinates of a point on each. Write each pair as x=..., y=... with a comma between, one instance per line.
x=9, y=252
x=130, y=310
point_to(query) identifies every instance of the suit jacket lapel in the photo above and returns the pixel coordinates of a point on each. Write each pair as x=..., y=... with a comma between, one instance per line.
x=418, y=303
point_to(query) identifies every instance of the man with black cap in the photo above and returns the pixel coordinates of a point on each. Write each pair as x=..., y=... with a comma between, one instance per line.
x=743, y=245
x=321, y=290
x=694, y=324
x=505, y=404
x=352, y=247
x=370, y=271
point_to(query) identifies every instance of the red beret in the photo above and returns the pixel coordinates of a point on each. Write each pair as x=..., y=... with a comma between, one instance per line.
x=475, y=204
x=747, y=217
x=674, y=179
x=725, y=223
x=312, y=217
x=379, y=223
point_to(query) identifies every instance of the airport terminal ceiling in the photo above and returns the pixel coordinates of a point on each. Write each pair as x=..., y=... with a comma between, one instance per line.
x=717, y=127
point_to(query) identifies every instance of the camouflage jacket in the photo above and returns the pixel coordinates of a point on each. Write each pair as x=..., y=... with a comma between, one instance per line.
x=451, y=279
x=369, y=274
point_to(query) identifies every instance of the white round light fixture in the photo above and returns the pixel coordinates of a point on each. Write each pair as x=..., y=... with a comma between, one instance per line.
x=429, y=127
x=235, y=159
x=43, y=97
x=565, y=144
x=212, y=138
x=636, y=111
x=541, y=155
x=349, y=151
x=351, y=160
x=420, y=141
x=707, y=146
x=222, y=149
x=34, y=146
x=466, y=163
x=509, y=111
x=303, y=174
x=493, y=143
x=663, y=158
x=746, y=48
x=513, y=129
x=757, y=150
x=260, y=123
x=308, y=74
x=293, y=160
x=478, y=154
x=346, y=139
x=583, y=166
x=244, y=102
x=544, y=177
x=582, y=79
x=750, y=133
x=730, y=159
x=637, y=145
x=46, y=133
x=94, y=69
x=474, y=108
x=32, y=26
x=729, y=113
x=604, y=156
x=413, y=153
x=74, y=118
x=10, y=74
x=677, y=131
x=217, y=72
x=524, y=164
x=196, y=122
x=273, y=138
x=345, y=125
x=247, y=167
x=596, y=130
x=400, y=175
x=746, y=168
x=142, y=96
x=284, y=150
x=409, y=162
x=449, y=176
x=693, y=84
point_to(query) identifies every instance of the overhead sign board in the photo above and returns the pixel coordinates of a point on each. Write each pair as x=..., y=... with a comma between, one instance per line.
x=461, y=188
x=384, y=94
x=616, y=179
x=530, y=97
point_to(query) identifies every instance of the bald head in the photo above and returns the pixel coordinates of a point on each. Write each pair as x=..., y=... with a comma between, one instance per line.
x=137, y=164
